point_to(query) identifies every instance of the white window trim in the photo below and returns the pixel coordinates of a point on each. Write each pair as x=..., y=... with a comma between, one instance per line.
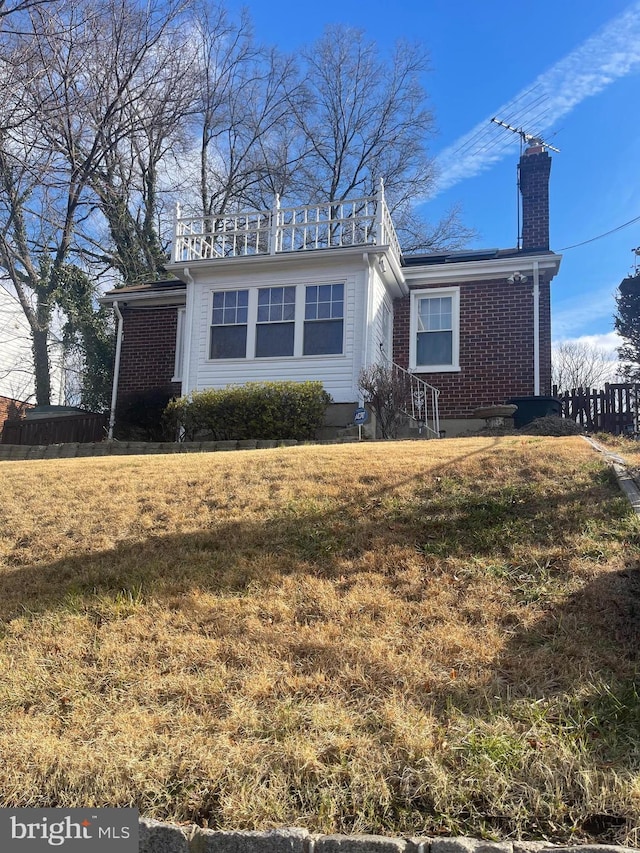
x=180, y=345
x=299, y=321
x=252, y=316
x=433, y=292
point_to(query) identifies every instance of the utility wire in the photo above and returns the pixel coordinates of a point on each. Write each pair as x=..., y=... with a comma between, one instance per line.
x=600, y=236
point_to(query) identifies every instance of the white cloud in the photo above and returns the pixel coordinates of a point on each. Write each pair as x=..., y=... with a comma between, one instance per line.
x=571, y=315
x=613, y=52
x=608, y=343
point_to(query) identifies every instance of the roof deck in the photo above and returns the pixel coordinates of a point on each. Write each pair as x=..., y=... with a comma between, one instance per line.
x=337, y=224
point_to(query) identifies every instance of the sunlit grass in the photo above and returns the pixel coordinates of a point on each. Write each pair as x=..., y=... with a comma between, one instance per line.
x=414, y=637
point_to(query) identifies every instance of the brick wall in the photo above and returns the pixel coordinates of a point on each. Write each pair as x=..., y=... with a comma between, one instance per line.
x=496, y=346
x=535, y=168
x=148, y=349
x=11, y=409
x=545, y=339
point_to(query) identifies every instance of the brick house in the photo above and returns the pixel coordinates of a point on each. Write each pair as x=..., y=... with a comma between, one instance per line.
x=321, y=292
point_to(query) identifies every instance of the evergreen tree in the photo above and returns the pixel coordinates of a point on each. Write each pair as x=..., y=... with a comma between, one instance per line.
x=627, y=323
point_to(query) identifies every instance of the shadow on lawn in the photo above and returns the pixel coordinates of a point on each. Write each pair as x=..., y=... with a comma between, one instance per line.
x=596, y=628
x=441, y=517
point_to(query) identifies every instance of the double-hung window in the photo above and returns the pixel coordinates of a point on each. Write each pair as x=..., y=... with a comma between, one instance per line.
x=288, y=321
x=323, y=319
x=229, y=324
x=435, y=333
x=276, y=321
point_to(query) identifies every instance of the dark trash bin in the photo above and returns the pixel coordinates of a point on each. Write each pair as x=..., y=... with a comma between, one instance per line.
x=530, y=408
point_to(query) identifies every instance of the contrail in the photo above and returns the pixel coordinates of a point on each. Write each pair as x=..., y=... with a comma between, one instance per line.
x=613, y=52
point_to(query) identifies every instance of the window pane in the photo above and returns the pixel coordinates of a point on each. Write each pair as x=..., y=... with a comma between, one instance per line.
x=228, y=342
x=435, y=348
x=324, y=310
x=274, y=339
x=277, y=295
x=289, y=312
x=229, y=307
x=324, y=294
x=263, y=297
x=337, y=310
x=312, y=294
x=310, y=311
x=263, y=313
x=337, y=292
x=322, y=337
x=434, y=314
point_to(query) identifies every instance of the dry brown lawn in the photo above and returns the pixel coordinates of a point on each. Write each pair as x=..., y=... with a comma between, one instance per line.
x=412, y=637
x=628, y=448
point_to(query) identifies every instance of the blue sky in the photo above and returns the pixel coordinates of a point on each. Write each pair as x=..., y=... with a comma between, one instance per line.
x=583, y=58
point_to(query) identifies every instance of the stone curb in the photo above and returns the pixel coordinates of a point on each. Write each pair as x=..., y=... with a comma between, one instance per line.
x=620, y=467
x=157, y=837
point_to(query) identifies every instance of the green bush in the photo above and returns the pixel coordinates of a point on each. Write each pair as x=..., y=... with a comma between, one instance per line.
x=270, y=410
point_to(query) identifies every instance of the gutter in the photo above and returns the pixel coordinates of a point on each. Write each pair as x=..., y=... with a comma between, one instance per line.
x=116, y=370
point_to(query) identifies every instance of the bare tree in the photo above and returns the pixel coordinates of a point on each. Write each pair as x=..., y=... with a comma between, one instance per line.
x=84, y=71
x=242, y=113
x=578, y=364
x=364, y=118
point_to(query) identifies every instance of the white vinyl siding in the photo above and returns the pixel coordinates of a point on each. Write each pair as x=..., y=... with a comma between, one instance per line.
x=335, y=371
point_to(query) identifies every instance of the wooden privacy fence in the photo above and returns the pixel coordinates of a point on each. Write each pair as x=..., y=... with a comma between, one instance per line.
x=613, y=409
x=83, y=427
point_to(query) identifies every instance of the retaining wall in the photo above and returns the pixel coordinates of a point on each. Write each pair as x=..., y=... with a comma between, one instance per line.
x=137, y=448
x=158, y=837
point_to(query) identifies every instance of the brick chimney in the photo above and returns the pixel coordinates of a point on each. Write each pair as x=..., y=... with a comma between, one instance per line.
x=535, y=168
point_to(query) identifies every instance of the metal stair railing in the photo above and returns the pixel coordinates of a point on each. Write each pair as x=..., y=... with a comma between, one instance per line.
x=417, y=399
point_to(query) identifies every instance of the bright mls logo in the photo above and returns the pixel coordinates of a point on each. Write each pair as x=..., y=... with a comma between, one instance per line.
x=35, y=830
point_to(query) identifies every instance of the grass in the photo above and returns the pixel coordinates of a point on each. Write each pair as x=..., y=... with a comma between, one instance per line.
x=409, y=637
x=627, y=447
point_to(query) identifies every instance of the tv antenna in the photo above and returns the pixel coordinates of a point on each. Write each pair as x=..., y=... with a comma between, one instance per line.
x=528, y=138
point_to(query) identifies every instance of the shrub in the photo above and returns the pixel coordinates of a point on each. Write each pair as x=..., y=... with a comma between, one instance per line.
x=386, y=393
x=262, y=410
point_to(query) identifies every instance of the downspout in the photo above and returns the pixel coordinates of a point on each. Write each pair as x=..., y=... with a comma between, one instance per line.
x=188, y=323
x=536, y=328
x=116, y=371
x=367, y=311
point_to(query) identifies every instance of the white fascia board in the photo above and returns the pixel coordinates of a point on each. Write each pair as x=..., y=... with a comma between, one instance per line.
x=494, y=268
x=169, y=296
x=303, y=260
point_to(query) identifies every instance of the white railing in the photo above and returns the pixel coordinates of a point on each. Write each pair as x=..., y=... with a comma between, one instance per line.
x=418, y=400
x=359, y=222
